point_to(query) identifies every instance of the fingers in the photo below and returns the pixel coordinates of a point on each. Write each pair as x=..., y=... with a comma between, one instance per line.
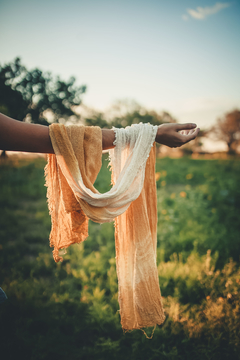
x=191, y=136
x=189, y=132
x=187, y=126
x=186, y=132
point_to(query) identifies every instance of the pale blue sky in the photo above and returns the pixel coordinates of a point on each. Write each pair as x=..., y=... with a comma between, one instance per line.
x=165, y=54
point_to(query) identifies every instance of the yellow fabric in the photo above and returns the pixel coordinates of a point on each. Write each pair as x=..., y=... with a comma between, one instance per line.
x=78, y=152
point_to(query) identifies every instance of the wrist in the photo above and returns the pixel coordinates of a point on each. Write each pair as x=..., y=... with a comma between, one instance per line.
x=159, y=134
x=108, y=137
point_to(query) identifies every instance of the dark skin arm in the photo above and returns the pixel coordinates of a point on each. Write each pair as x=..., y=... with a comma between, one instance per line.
x=20, y=136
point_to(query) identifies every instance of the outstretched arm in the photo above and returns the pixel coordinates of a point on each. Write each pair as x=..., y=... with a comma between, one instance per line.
x=19, y=136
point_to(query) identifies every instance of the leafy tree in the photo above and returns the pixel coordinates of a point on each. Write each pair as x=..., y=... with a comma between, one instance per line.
x=32, y=94
x=228, y=129
x=143, y=116
x=97, y=119
x=125, y=113
x=12, y=102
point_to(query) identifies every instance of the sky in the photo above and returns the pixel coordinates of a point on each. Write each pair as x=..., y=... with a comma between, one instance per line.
x=178, y=56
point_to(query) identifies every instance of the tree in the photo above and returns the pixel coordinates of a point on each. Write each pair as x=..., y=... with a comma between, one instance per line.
x=228, y=129
x=31, y=94
x=12, y=102
x=97, y=119
x=125, y=113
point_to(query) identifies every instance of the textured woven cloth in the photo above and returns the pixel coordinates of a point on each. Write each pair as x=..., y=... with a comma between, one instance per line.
x=72, y=200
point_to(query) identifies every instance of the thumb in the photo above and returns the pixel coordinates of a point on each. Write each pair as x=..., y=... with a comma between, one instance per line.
x=186, y=126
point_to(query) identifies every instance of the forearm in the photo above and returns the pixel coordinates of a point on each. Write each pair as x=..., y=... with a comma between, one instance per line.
x=19, y=136
x=108, y=137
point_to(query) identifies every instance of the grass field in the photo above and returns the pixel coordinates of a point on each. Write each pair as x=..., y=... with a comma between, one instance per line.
x=69, y=310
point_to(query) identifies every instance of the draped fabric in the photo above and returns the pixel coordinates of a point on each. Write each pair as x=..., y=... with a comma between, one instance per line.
x=132, y=202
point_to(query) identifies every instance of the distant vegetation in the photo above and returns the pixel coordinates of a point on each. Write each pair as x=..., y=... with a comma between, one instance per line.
x=42, y=98
x=69, y=310
x=227, y=129
x=39, y=97
x=31, y=94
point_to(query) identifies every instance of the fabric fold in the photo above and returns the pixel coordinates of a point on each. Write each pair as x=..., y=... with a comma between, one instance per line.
x=72, y=200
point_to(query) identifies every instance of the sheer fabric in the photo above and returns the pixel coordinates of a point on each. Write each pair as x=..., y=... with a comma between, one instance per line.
x=72, y=199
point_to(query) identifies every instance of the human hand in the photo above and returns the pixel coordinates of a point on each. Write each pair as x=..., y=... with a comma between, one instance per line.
x=175, y=135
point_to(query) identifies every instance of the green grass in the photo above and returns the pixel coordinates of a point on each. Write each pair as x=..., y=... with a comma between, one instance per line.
x=69, y=310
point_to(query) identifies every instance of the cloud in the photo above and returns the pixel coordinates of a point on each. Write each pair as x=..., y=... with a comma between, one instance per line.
x=201, y=13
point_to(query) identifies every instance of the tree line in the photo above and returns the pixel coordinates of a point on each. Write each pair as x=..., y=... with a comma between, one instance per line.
x=41, y=98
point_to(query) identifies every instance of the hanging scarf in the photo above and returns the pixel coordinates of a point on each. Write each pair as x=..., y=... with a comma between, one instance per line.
x=132, y=202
